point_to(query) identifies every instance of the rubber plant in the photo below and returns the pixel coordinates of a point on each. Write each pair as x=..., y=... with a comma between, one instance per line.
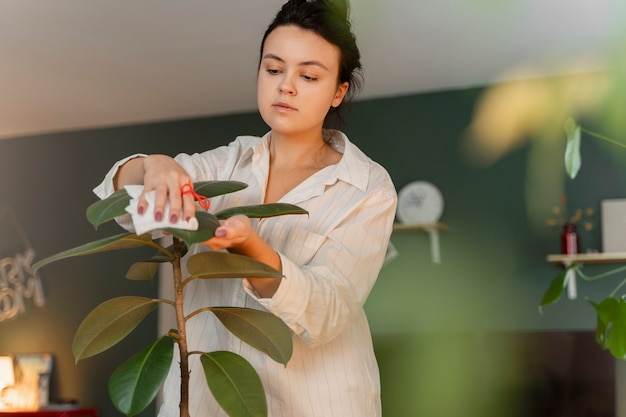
x=233, y=381
x=610, y=312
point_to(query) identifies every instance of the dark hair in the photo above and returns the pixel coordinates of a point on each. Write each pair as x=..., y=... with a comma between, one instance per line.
x=330, y=20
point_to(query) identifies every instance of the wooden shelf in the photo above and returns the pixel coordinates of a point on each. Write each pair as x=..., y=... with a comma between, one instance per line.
x=588, y=258
x=433, y=231
x=583, y=258
x=403, y=227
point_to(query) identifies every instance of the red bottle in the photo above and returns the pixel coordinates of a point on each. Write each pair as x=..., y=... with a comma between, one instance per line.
x=570, y=243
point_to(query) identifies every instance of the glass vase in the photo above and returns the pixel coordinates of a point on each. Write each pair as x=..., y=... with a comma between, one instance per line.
x=570, y=241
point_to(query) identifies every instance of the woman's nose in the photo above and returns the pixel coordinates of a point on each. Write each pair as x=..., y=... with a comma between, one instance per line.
x=287, y=86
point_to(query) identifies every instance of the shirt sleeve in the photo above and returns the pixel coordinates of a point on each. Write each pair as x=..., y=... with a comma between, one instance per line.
x=106, y=187
x=319, y=300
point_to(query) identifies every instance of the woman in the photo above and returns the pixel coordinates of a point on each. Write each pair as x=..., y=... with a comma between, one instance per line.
x=330, y=259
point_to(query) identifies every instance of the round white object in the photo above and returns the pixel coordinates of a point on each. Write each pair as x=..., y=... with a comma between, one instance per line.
x=420, y=202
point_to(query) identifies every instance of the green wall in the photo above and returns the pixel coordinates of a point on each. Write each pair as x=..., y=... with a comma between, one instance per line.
x=423, y=316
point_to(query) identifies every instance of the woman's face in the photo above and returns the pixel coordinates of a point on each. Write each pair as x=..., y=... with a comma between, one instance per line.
x=297, y=80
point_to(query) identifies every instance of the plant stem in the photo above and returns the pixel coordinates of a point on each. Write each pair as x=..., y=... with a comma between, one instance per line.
x=180, y=321
x=599, y=276
x=599, y=136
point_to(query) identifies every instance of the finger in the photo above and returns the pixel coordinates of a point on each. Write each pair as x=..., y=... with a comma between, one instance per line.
x=214, y=244
x=189, y=206
x=160, y=197
x=175, y=202
x=142, y=204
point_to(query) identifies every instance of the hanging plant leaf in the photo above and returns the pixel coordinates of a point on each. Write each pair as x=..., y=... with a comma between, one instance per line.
x=572, y=150
x=604, y=311
x=235, y=384
x=207, y=223
x=109, y=208
x=109, y=323
x=261, y=211
x=611, y=328
x=214, y=188
x=122, y=241
x=228, y=265
x=135, y=383
x=260, y=329
x=556, y=288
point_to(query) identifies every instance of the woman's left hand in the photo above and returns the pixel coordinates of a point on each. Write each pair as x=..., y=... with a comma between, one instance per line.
x=237, y=235
x=232, y=233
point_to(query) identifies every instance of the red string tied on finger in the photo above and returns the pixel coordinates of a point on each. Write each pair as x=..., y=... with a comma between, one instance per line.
x=204, y=202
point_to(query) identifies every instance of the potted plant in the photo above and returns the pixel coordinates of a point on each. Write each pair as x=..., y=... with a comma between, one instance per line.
x=611, y=312
x=233, y=381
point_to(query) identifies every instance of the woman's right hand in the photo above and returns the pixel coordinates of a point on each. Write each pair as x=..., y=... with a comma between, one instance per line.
x=166, y=177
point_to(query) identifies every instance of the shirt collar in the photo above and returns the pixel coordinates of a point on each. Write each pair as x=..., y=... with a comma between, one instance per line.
x=353, y=167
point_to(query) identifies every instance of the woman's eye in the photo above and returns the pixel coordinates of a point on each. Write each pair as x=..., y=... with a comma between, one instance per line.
x=273, y=71
x=309, y=77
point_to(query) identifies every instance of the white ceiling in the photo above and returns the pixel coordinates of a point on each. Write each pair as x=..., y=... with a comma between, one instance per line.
x=75, y=64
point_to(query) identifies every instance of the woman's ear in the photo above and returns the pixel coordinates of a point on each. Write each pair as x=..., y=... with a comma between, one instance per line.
x=342, y=89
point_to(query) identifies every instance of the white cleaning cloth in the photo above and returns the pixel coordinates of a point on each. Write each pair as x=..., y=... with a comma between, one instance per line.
x=146, y=223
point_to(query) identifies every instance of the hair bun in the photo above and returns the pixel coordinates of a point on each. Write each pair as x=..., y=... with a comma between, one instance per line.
x=341, y=8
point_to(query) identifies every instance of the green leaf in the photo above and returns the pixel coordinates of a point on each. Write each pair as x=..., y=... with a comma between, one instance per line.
x=142, y=271
x=602, y=322
x=115, y=205
x=555, y=289
x=207, y=223
x=162, y=256
x=228, y=265
x=111, y=207
x=215, y=188
x=109, y=323
x=135, y=383
x=260, y=329
x=572, y=150
x=122, y=241
x=261, y=210
x=611, y=328
x=235, y=384
x=147, y=269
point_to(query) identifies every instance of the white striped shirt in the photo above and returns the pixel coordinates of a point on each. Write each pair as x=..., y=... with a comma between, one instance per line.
x=330, y=259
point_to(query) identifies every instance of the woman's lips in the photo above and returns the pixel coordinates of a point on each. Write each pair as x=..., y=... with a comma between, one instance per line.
x=283, y=107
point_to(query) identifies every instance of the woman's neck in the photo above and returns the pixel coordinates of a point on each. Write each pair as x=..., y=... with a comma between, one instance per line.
x=304, y=151
x=294, y=160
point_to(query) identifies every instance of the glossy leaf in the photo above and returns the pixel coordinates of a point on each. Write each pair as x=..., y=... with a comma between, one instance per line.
x=228, y=265
x=260, y=329
x=109, y=323
x=142, y=271
x=572, y=150
x=135, y=383
x=554, y=291
x=147, y=269
x=261, y=210
x=122, y=241
x=215, y=188
x=235, y=384
x=207, y=223
x=161, y=256
x=109, y=208
x=115, y=205
x=611, y=328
